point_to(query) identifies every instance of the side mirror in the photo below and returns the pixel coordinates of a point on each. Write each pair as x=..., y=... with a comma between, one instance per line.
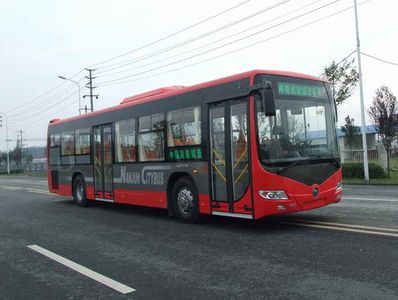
x=268, y=99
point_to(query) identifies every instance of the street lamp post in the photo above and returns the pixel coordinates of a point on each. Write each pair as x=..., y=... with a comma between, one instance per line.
x=64, y=78
x=7, y=140
x=363, y=128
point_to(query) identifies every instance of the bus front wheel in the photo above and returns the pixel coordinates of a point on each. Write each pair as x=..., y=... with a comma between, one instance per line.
x=79, y=191
x=185, y=200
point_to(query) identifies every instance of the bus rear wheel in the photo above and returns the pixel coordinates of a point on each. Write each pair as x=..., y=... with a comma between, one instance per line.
x=79, y=191
x=185, y=200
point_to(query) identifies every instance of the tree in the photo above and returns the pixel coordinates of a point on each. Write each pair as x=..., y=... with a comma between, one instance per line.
x=3, y=156
x=384, y=114
x=343, y=78
x=350, y=131
x=16, y=155
x=29, y=158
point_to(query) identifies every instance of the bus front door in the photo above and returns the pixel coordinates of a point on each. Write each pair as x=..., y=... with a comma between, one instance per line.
x=103, y=175
x=229, y=159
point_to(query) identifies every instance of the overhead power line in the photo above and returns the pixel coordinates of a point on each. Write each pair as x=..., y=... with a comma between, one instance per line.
x=191, y=40
x=41, y=104
x=238, y=49
x=341, y=61
x=24, y=108
x=46, y=110
x=223, y=45
x=26, y=104
x=205, y=45
x=379, y=59
x=53, y=113
x=345, y=58
x=173, y=34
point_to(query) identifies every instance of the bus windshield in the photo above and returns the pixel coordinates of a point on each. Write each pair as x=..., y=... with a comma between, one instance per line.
x=303, y=126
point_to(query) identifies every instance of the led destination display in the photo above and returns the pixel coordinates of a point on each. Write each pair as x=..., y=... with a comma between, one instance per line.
x=300, y=90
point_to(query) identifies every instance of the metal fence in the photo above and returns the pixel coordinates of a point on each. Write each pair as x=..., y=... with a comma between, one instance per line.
x=33, y=167
x=375, y=155
x=356, y=155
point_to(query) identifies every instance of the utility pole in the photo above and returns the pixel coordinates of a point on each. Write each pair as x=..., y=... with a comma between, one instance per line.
x=7, y=140
x=363, y=127
x=20, y=142
x=89, y=85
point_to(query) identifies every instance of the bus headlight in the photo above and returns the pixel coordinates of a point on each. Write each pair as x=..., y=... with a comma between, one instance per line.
x=339, y=186
x=273, y=195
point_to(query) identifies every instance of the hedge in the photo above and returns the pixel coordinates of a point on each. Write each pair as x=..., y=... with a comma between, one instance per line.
x=17, y=171
x=355, y=170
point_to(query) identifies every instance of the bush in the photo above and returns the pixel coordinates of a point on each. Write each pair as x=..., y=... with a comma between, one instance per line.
x=17, y=171
x=355, y=170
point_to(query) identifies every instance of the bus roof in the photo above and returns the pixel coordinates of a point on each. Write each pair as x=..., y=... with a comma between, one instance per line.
x=164, y=92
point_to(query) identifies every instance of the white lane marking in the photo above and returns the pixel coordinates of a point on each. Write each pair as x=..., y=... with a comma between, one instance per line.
x=124, y=289
x=11, y=188
x=20, y=181
x=341, y=229
x=370, y=199
x=31, y=190
x=395, y=230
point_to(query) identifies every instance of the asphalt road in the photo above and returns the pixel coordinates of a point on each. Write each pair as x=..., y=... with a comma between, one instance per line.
x=346, y=250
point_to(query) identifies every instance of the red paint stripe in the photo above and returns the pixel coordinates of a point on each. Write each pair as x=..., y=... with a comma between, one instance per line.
x=143, y=198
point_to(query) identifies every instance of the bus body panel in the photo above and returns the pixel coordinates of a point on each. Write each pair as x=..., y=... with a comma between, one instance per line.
x=146, y=183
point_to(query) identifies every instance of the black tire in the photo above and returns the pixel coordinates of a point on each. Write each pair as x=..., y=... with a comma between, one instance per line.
x=79, y=191
x=186, y=201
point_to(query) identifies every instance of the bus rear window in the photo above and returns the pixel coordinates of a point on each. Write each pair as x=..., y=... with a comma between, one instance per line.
x=54, y=140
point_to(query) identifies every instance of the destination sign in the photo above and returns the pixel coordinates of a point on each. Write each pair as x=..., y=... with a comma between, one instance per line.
x=300, y=90
x=186, y=153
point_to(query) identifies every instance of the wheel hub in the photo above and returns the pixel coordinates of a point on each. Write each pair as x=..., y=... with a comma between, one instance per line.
x=79, y=191
x=185, y=200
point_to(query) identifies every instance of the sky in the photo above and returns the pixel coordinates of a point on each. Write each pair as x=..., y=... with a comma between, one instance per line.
x=42, y=40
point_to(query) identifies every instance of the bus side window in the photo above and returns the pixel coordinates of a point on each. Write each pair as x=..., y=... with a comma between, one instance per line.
x=151, y=137
x=125, y=141
x=68, y=143
x=183, y=127
x=82, y=141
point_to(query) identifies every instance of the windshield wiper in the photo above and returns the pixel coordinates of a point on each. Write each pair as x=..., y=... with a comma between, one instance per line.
x=295, y=163
x=307, y=160
x=332, y=158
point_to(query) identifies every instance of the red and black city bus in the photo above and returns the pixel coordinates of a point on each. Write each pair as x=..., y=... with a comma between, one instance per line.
x=250, y=145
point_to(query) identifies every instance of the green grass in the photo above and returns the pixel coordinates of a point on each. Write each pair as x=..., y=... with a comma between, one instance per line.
x=35, y=174
x=394, y=164
x=393, y=179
